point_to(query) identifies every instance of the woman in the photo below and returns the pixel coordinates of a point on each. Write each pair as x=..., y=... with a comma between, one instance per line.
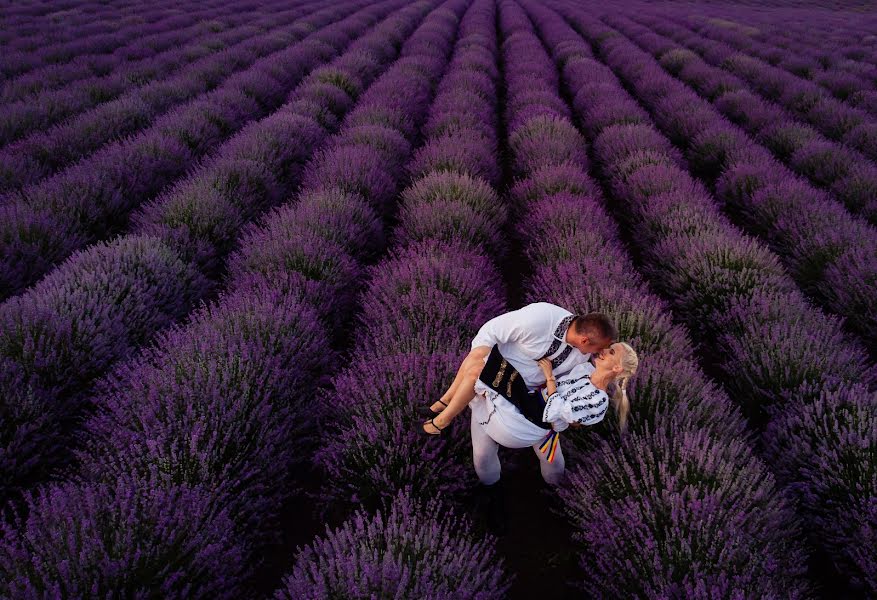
x=515, y=417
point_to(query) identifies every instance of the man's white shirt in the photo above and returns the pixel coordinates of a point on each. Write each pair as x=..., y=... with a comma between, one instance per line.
x=525, y=335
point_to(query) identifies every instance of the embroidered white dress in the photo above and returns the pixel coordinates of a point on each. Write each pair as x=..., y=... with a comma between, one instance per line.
x=576, y=401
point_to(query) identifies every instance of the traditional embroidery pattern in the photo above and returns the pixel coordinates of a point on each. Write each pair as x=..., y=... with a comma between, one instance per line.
x=559, y=334
x=579, y=407
x=558, y=360
x=593, y=417
x=508, y=387
x=500, y=373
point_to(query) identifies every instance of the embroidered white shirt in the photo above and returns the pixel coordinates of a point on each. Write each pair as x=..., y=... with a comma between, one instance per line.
x=530, y=333
x=576, y=400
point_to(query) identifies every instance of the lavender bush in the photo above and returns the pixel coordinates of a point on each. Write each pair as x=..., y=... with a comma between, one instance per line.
x=402, y=551
x=127, y=541
x=98, y=307
x=689, y=516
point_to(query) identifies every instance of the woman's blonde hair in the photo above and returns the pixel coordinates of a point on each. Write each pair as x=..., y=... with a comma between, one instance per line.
x=620, y=401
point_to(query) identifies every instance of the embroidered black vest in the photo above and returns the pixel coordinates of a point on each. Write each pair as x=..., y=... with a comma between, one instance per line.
x=500, y=376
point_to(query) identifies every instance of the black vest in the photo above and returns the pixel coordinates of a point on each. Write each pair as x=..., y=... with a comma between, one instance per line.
x=499, y=375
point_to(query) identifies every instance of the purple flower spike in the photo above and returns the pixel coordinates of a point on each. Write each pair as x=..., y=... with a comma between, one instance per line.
x=702, y=515
x=400, y=552
x=96, y=540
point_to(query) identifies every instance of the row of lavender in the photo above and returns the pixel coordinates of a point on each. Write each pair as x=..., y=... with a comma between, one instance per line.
x=685, y=434
x=848, y=72
x=830, y=253
x=768, y=342
x=131, y=60
x=36, y=42
x=44, y=152
x=93, y=199
x=104, y=303
x=420, y=307
x=848, y=175
x=135, y=57
x=264, y=343
x=837, y=120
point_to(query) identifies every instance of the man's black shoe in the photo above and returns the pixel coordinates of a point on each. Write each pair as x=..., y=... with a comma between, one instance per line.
x=494, y=507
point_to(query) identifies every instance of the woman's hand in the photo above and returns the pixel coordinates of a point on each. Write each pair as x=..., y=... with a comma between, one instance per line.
x=545, y=365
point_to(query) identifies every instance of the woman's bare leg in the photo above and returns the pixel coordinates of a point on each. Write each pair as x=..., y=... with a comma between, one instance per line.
x=461, y=397
x=438, y=407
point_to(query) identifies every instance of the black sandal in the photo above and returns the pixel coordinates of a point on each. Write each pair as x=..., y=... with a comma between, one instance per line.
x=427, y=412
x=440, y=432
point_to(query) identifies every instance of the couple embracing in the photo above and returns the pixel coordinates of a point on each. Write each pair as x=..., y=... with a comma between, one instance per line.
x=531, y=374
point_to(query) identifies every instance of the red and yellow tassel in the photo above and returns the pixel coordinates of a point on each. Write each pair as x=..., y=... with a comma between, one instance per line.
x=549, y=444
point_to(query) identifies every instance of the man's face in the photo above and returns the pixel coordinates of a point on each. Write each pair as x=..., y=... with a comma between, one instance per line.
x=588, y=345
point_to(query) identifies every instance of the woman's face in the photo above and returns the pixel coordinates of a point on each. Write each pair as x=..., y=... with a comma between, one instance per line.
x=609, y=359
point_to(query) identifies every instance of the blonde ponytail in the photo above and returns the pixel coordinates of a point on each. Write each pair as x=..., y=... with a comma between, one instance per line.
x=620, y=401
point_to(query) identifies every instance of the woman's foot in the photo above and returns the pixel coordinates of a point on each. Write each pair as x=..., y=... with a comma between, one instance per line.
x=430, y=427
x=437, y=407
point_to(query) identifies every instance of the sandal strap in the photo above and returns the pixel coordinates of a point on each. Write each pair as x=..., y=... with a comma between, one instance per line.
x=442, y=403
x=432, y=422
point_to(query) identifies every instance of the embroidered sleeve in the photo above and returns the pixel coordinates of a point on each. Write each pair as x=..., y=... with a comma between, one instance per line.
x=584, y=404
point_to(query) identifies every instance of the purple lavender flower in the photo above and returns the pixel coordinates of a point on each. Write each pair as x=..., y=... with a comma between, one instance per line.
x=462, y=152
x=202, y=218
x=402, y=551
x=786, y=137
x=283, y=252
x=371, y=445
x=685, y=515
x=386, y=140
x=69, y=329
x=553, y=179
x=618, y=142
x=356, y=170
x=121, y=539
x=822, y=449
x=338, y=217
x=451, y=207
x=449, y=288
x=546, y=140
x=822, y=162
x=238, y=421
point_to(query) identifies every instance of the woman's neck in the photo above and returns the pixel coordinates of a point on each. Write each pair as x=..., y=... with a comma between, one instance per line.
x=601, y=379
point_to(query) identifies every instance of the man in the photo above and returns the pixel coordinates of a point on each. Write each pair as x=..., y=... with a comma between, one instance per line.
x=523, y=337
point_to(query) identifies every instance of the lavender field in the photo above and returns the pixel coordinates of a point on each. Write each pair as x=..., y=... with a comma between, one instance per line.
x=243, y=241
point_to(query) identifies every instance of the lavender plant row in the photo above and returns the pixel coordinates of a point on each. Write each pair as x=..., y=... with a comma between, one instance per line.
x=248, y=176
x=92, y=200
x=424, y=302
x=849, y=80
x=830, y=254
x=746, y=311
x=403, y=551
x=845, y=173
x=838, y=121
x=260, y=344
x=681, y=423
x=57, y=23
x=419, y=309
x=42, y=153
x=86, y=41
x=136, y=58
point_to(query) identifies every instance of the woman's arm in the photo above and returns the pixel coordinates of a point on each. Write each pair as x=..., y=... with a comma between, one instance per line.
x=550, y=382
